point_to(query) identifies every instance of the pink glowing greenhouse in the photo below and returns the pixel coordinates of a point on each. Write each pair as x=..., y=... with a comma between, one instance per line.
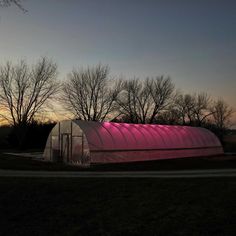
x=85, y=142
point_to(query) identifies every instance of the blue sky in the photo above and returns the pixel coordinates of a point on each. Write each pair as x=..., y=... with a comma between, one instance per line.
x=194, y=42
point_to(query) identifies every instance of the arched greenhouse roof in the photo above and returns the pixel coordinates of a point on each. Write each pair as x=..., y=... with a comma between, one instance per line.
x=120, y=136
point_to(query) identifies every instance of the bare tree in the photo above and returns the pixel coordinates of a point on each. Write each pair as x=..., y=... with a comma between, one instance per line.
x=162, y=92
x=221, y=113
x=90, y=94
x=171, y=117
x=135, y=101
x=201, y=108
x=25, y=91
x=8, y=3
x=184, y=104
x=194, y=108
x=142, y=100
x=127, y=100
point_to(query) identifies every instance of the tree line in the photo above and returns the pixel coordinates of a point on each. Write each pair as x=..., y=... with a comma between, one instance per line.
x=26, y=91
x=91, y=95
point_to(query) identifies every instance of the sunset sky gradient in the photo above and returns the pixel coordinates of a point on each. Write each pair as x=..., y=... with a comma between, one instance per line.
x=193, y=42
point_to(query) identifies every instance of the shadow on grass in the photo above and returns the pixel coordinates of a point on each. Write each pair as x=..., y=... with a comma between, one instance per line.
x=26, y=163
x=117, y=206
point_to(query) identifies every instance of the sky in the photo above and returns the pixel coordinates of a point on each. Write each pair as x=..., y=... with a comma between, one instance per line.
x=192, y=41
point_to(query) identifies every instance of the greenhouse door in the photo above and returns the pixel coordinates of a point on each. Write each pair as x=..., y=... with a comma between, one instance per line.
x=78, y=151
x=65, y=147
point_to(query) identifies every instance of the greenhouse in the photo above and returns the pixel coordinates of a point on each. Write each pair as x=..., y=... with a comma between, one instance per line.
x=79, y=142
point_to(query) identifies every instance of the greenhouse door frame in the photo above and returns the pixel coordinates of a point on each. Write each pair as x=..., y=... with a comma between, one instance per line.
x=65, y=147
x=81, y=141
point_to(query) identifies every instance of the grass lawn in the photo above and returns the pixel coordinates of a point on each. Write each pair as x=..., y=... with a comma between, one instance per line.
x=25, y=163
x=117, y=206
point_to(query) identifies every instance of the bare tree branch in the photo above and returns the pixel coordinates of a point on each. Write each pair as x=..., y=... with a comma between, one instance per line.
x=25, y=91
x=221, y=113
x=142, y=100
x=89, y=94
x=194, y=108
x=8, y=3
x=162, y=92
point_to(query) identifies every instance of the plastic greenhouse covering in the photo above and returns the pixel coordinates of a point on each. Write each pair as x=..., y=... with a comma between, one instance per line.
x=84, y=142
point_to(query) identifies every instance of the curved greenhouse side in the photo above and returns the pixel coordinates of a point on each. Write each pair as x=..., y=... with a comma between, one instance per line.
x=84, y=142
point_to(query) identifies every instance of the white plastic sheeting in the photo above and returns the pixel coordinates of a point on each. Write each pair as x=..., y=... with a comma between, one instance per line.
x=85, y=142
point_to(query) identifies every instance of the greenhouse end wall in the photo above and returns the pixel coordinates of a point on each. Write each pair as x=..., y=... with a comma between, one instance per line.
x=66, y=143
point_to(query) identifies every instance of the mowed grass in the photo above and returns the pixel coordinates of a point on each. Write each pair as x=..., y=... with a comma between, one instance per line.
x=24, y=163
x=117, y=206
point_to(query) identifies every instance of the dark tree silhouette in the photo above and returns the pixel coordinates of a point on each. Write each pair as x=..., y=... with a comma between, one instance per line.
x=221, y=113
x=90, y=94
x=142, y=100
x=135, y=101
x=25, y=91
x=194, y=109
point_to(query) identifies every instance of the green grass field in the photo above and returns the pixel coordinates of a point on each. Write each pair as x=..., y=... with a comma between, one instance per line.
x=117, y=206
